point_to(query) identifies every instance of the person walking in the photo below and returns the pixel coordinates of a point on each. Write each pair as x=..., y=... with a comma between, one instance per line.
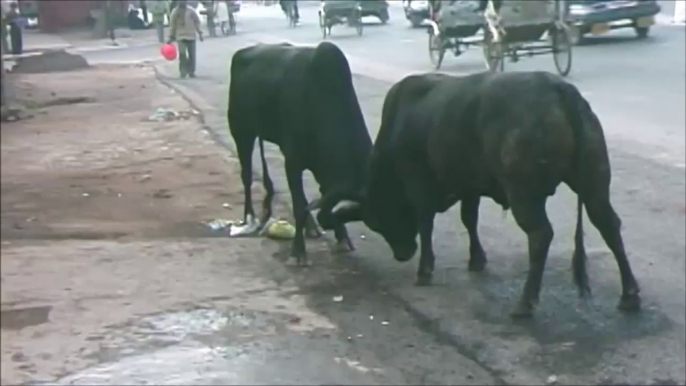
x=144, y=11
x=14, y=21
x=109, y=20
x=209, y=9
x=185, y=26
x=221, y=10
x=679, y=12
x=159, y=11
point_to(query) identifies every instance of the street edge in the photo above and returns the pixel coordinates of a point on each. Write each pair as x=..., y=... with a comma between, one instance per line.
x=198, y=103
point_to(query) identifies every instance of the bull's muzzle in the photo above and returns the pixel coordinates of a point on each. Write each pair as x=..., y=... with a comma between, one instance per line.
x=404, y=253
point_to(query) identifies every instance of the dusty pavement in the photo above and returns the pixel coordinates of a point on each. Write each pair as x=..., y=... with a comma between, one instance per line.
x=109, y=277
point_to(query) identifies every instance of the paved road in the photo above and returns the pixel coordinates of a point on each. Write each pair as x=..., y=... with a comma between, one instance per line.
x=637, y=89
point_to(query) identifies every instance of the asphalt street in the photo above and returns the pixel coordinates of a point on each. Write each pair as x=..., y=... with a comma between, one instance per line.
x=637, y=88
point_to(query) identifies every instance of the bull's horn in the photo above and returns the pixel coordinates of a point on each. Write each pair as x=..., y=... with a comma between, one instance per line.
x=345, y=205
x=315, y=204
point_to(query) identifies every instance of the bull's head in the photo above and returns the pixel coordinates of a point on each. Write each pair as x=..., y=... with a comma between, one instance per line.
x=383, y=207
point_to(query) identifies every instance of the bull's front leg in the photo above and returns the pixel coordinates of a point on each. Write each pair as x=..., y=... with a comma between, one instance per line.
x=295, y=184
x=469, y=212
x=343, y=242
x=427, y=257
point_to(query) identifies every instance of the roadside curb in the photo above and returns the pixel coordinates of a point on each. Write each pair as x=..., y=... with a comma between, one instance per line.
x=198, y=103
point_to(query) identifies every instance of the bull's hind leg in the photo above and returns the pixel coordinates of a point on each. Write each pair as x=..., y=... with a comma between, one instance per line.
x=607, y=222
x=268, y=186
x=295, y=184
x=244, y=147
x=469, y=212
x=530, y=214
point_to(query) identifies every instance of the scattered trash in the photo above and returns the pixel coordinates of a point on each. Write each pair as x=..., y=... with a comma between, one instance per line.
x=552, y=380
x=281, y=229
x=359, y=335
x=470, y=376
x=85, y=194
x=350, y=338
x=385, y=323
x=363, y=237
x=165, y=115
x=145, y=177
x=226, y=205
x=219, y=224
x=31, y=219
x=371, y=317
x=245, y=228
x=338, y=298
x=118, y=194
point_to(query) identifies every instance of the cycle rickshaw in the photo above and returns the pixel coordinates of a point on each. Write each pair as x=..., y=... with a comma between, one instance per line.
x=519, y=28
x=335, y=12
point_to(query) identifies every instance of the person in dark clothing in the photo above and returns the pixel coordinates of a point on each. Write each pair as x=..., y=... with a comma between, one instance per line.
x=184, y=28
x=285, y=3
x=134, y=22
x=144, y=10
x=13, y=20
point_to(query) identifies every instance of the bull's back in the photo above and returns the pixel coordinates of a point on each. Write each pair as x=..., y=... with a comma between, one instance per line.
x=524, y=125
x=258, y=74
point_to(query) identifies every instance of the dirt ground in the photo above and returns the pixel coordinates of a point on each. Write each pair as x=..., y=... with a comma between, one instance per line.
x=96, y=204
x=91, y=166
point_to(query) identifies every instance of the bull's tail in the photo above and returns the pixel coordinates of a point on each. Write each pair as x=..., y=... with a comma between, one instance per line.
x=575, y=108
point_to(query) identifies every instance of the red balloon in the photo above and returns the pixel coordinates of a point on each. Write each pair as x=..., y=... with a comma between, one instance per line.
x=168, y=51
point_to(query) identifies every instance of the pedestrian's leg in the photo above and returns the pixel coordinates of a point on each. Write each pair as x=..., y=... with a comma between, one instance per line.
x=15, y=36
x=183, y=58
x=160, y=30
x=144, y=10
x=297, y=14
x=191, y=58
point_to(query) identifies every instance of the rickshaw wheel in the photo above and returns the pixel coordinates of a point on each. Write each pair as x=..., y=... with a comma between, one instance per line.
x=358, y=22
x=436, y=50
x=562, y=50
x=493, y=54
x=322, y=24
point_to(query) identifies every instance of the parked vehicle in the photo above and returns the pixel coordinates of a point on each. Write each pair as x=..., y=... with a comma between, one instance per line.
x=376, y=8
x=335, y=12
x=416, y=11
x=597, y=17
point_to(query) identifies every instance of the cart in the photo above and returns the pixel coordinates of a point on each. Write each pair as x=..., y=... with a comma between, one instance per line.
x=519, y=28
x=335, y=12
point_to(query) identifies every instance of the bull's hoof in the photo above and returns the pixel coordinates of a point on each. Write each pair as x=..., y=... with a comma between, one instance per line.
x=584, y=291
x=523, y=310
x=630, y=303
x=477, y=263
x=477, y=258
x=424, y=280
x=344, y=246
x=300, y=262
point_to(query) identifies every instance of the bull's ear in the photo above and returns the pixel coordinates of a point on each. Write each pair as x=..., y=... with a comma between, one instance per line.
x=314, y=205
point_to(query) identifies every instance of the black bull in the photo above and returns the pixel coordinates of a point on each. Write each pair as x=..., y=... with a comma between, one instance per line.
x=512, y=137
x=303, y=100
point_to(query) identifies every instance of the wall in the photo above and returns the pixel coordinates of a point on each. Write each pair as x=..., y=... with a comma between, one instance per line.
x=55, y=15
